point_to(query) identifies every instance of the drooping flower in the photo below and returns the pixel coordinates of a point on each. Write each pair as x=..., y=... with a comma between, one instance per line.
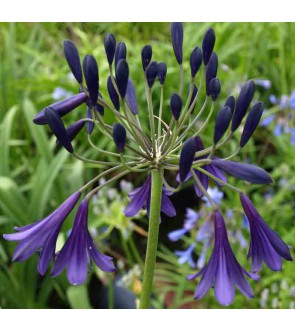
x=266, y=246
x=141, y=198
x=42, y=235
x=79, y=250
x=223, y=270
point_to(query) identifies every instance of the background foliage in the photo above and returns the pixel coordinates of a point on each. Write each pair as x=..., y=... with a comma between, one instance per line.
x=34, y=179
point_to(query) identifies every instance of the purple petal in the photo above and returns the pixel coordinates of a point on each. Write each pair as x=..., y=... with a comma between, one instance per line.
x=131, y=97
x=177, y=234
x=167, y=206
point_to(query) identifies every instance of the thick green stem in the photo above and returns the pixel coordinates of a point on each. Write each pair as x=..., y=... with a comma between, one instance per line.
x=152, y=242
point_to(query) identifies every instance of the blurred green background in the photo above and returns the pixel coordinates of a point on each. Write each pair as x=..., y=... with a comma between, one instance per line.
x=34, y=180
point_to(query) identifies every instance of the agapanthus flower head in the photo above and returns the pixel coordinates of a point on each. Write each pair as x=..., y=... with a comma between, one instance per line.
x=120, y=53
x=42, y=234
x=162, y=72
x=79, y=250
x=211, y=71
x=243, y=102
x=195, y=60
x=90, y=70
x=222, y=123
x=151, y=73
x=252, y=122
x=110, y=47
x=119, y=135
x=266, y=246
x=222, y=270
x=113, y=94
x=146, y=56
x=208, y=45
x=131, y=97
x=122, y=75
x=175, y=105
x=62, y=107
x=177, y=40
x=73, y=60
x=56, y=125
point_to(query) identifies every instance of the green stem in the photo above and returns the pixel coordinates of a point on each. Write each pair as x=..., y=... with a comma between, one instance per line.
x=152, y=242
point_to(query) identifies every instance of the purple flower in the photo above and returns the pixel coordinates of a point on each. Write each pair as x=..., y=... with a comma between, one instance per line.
x=90, y=70
x=42, y=235
x=177, y=40
x=266, y=84
x=73, y=59
x=151, y=73
x=208, y=45
x=267, y=121
x=223, y=270
x=79, y=249
x=110, y=47
x=211, y=71
x=119, y=136
x=141, y=199
x=122, y=74
x=131, y=97
x=175, y=105
x=186, y=256
x=215, y=194
x=189, y=223
x=146, y=56
x=265, y=244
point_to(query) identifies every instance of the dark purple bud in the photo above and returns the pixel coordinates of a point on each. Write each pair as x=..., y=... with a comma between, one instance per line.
x=194, y=94
x=214, y=87
x=195, y=60
x=62, y=107
x=73, y=131
x=246, y=172
x=151, y=73
x=122, y=74
x=199, y=144
x=177, y=40
x=175, y=105
x=110, y=47
x=113, y=94
x=119, y=135
x=91, y=77
x=146, y=56
x=187, y=156
x=99, y=108
x=211, y=71
x=252, y=121
x=231, y=103
x=73, y=59
x=131, y=97
x=89, y=125
x=56, y=125
x=222, y=123
x=120, y=53
x=162, y=72
x=208, y=45
x=243, y=102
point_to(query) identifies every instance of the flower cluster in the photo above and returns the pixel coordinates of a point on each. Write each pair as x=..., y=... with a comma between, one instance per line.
x=164, y=147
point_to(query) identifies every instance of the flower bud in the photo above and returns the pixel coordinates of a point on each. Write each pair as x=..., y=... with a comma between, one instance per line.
x=89, y=125
x=120, y=53
x=211, y=71
x=187, y=156
x=73, y=59
x=162, y=72
x=252, y=122
x=222, y=123
x=208, y=45
x=175, y=105
x=151, y=73
x=99, y=108
x=72, y=131
x=113, y=94
x=214, y=87
x=56, y=125
x=195, y=61
x=243, y=102
x=194, y=94
x=91, y=77
x=110, y=47
x=177, y=40
x=62, y=107
x=231, y=103
x=122, y=74
x=131, y=97
x=146, y=56
x=119, y=136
